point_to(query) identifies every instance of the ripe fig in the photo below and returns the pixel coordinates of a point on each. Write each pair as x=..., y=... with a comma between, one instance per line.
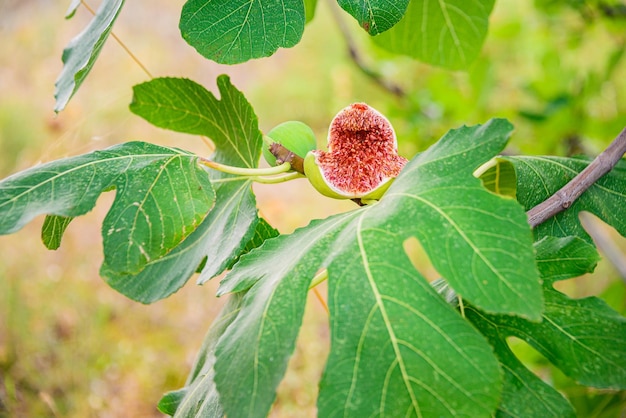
x=362, y=158
x=296, y=136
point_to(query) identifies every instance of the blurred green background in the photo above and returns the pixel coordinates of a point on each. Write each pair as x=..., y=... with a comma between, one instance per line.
x=72, y=347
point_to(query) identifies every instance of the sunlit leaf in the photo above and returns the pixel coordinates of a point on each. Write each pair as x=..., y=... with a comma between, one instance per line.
x=235, y=31
x=185, y=106
x=81, y=53
x=500, y=178
x=447, y=33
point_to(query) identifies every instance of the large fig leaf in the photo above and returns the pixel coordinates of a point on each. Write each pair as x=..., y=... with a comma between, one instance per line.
x=396, y=345
x=539, y=177
x=235, y=31
x=375, y=16
x=218, y=240
x=81, y=53
x=524, y=394
x=162, y=196
x=447, y=33
x=184, y=106
x=584, y=338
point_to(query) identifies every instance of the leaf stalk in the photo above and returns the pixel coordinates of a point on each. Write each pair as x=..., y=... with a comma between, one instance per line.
x=242, y=171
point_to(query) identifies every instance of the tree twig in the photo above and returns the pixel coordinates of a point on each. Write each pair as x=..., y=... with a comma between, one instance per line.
x=283, y=155
x=564, y=198
x=358, y=58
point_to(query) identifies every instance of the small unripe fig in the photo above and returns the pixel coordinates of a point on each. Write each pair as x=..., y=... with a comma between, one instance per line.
x=296, y=136
x=362, y=158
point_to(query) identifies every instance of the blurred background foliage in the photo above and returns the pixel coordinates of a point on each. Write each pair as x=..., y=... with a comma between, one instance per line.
x=72, y=347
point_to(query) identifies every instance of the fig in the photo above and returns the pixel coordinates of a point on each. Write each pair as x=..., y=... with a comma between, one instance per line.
x=362, y=158
x=296, y=136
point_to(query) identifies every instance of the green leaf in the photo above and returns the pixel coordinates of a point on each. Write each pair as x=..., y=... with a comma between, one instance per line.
x=540, y=177
x=53, y=229
x=447, y=33
x=564, y=258
x=235, y=31
x=395, y=344
x=584, y=338
x=182, y=105
x=162, y=196
x=378, y=362
x=81, y=53
x=375, y=16
x=479, y=242
x=263, y=231
x=523, y=394
x=219, y=239
x=185, y=106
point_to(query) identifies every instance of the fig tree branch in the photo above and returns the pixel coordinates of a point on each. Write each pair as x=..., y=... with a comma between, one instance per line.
x=564, y=198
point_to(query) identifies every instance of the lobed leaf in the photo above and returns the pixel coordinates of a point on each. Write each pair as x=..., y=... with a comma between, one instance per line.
x=523, y=393
x=395, y=344
x=162, y=196
x=378, y=362
x=584, y=338
x=81, y=53
x=539, y=177
x=447, y=33
x=479, y=242
x=185, y=106
x=375, y=16
x=235, y=31
x=218, y=239
x=572, y=334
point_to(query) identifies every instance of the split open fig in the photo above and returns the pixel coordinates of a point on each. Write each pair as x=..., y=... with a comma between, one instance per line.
x=362, y=158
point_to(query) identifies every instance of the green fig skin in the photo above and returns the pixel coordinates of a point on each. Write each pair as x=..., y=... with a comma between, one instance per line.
x=296, y=136
x=318, y=181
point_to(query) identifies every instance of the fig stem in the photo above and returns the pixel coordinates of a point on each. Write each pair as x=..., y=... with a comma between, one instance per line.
x=250, y=172
x=277, y=179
